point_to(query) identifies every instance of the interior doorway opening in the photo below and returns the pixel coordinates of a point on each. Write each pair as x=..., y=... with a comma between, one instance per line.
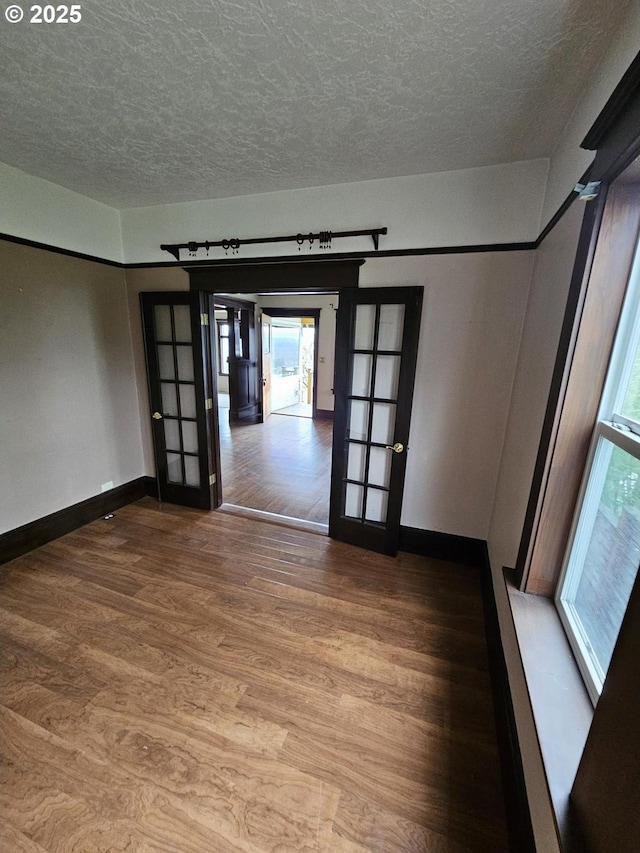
x=292, y=366
x=276, y=449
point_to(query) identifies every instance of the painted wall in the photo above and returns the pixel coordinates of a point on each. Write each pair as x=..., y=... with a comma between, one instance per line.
x=470, y=206
x=472, y=317
x=69, y=418
x=543, y=321
x=326, y=337
x=38, y=210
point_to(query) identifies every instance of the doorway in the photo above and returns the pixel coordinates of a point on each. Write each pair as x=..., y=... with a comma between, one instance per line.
x=280, y=461
x=376, y=347
x=290, y=342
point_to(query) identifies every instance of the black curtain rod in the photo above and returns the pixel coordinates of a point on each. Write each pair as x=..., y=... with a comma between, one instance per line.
x=324, y=238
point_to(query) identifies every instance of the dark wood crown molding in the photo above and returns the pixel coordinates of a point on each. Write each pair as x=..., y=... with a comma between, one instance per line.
x=627, y=89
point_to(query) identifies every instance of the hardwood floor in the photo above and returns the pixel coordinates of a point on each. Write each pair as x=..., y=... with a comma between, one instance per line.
x=281, y=466
x=174, y=680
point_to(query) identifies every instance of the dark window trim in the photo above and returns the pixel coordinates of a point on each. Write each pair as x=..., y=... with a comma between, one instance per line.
x=619, y=102
x=616, y=131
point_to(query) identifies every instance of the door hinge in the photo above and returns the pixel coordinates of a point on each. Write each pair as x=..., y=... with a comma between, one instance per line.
x=204, y=319
x=212, y=480
x=208, y=403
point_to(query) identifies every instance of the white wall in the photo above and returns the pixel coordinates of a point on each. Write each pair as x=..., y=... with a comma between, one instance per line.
x=472, y=316
x=467, y=207
x=38, y=210
x=69, y=415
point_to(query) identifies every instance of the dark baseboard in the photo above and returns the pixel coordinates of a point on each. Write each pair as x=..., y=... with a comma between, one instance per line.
x=323, y=414
x=442, y=546
x=23, y=539
x=151, y=486
x=519, y=826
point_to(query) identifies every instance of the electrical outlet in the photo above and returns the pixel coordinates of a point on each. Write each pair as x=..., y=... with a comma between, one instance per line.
x=106, y=486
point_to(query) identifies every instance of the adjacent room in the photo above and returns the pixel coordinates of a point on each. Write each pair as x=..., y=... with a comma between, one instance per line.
x=319, y=416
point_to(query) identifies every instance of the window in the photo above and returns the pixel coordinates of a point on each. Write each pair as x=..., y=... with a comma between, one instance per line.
x=604, y=549
x=223, y=347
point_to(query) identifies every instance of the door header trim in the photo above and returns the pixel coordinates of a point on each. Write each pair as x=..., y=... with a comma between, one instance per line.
x=306, y=277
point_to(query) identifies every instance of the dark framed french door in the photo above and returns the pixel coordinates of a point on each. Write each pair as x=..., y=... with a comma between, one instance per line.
x=376, y=352
x=179, y=346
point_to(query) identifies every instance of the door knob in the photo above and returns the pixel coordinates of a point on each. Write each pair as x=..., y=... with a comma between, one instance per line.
x=397, y=447
x=156, y=416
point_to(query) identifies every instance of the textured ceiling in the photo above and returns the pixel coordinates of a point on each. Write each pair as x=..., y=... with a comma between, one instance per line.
x=140, y=105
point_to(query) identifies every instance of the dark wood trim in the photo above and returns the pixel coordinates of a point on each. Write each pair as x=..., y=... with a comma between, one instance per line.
x=523, y=246
x=581, y=271
x=227, y=262
x=560, y=212
x=309, y=276
x=619, y=101
x=223, y=301
x=151, y=486
x=292, y=312
x=518, y=814
x=615, y=135
x=43, y=530
x=336, y=256
x=442, y=546
x=601, y=272
x=324, y=414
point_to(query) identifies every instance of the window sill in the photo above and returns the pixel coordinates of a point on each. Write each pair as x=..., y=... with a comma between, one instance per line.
x=561, y=707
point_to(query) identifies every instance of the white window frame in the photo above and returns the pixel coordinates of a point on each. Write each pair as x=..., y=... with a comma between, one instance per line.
x=611, y=429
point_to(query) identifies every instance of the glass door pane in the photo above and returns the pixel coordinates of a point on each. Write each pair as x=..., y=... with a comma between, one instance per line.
x=373, y=394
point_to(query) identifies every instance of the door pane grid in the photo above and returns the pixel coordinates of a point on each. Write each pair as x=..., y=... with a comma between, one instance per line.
x=178, y=362
x=378, y=330
x=374, y=373
x=177, y=465
x=178, y=395
x=356, y=496
x=374, y=367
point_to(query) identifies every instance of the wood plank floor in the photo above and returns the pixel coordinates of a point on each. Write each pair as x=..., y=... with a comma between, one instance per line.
x=281, y=466
x=190, y=682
